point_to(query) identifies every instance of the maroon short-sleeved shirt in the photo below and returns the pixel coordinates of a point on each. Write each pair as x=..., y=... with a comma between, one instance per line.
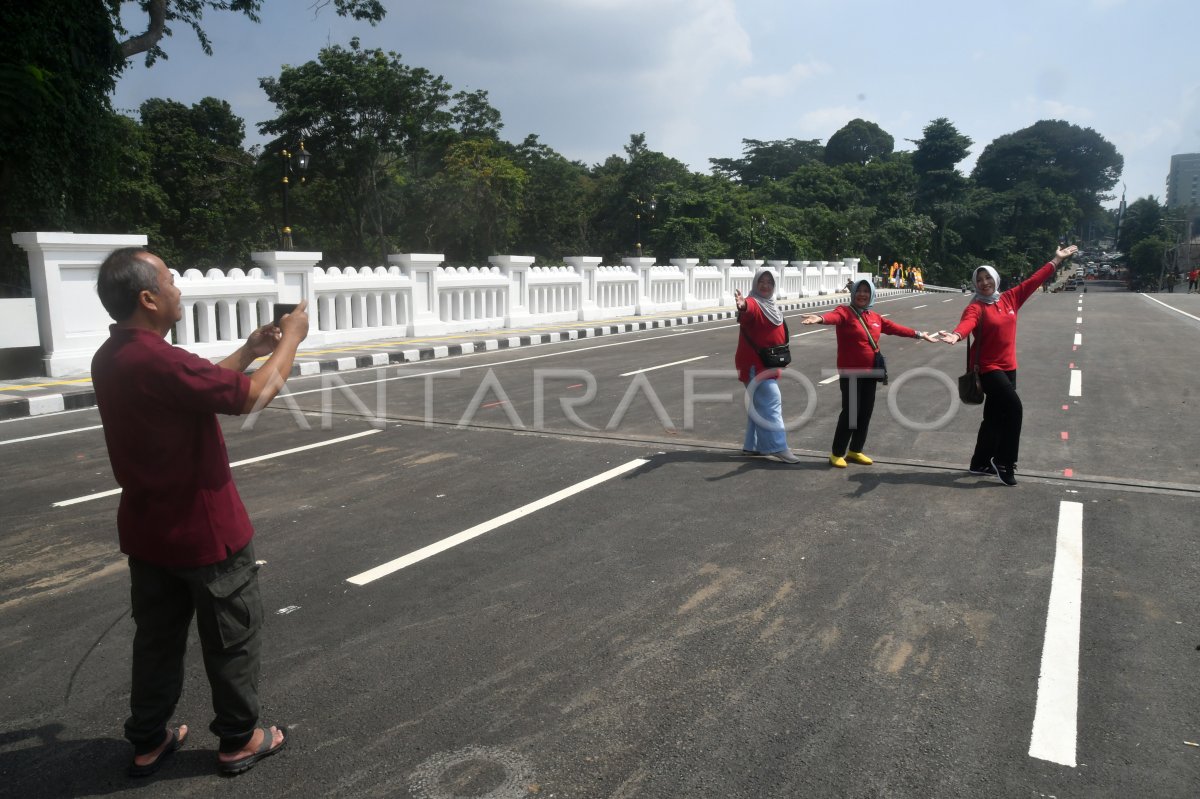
x=179, y=506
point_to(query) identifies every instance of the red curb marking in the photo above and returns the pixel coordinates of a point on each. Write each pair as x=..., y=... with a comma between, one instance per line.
x=1073, y=348
x=1064, y=435
x=1066, y=407
x=1068, y=473
x=1071, y=366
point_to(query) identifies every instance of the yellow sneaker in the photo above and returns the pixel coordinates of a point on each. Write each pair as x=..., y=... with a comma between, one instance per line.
x=858, y=457
x=838, y=461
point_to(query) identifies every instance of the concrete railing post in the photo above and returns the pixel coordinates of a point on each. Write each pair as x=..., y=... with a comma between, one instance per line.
x=724, y=265
x=292, y=272
x=422, y=270
x=586, y=265
x=72, y=324
x=641, y=266
x=516, y=267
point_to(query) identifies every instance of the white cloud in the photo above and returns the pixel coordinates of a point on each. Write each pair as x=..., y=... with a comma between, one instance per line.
x=781, y=83
x=1053, y=109
x=824, y=122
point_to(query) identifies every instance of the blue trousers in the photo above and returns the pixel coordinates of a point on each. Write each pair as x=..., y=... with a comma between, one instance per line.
x=767, y=433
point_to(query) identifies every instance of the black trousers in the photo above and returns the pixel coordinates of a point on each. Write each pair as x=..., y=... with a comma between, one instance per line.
x=853, y=423
x=1000, y=431
x=225, y=600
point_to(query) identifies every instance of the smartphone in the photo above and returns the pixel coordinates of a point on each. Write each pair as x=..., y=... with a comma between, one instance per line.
x=282, y=309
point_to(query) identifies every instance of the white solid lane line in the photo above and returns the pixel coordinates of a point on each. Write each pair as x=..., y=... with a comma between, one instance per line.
x=256, y=459
x=664, y=366
x=1176, y=310
x=486, y=527
x=1055, y=719
x=51, y=435
x=1076, y=389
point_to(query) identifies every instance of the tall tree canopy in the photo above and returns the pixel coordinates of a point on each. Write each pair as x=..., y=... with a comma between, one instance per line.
x=768, y=160
x=1052, y=154
x=858, y=142
x=367, y=143
x=160, y=14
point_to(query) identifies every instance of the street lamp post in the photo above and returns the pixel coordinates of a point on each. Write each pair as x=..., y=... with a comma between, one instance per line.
x=302, y=158
x=639, y=204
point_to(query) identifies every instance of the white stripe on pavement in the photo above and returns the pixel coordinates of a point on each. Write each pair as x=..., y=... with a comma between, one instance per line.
x=1076, y=389
x=1176, y=310
x=663, y=366
x=256, y=459
x=486, y=527
x=1078, y=339
x=1055, y=719
x=1079, y=320
x=915, y=307
x=51, y=435
x=829, y=380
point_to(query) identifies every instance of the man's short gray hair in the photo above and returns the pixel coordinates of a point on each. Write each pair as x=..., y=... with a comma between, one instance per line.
x=123, y=276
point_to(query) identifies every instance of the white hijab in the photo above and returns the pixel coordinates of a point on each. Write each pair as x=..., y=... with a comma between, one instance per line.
x=986, y=299
x=767, y=303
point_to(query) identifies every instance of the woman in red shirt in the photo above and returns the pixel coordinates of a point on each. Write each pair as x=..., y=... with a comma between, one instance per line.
x=857, y=374
x=992, y=316
x=761, y=326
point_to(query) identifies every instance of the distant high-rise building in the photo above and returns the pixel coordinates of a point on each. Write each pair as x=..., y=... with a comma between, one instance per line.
x=1183, y=181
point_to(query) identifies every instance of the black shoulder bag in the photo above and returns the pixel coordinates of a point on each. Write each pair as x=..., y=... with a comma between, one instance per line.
x=775, y=357
x=880, y=361
x=970, y=390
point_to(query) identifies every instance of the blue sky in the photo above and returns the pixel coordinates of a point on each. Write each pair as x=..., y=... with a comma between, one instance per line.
x=698, y=76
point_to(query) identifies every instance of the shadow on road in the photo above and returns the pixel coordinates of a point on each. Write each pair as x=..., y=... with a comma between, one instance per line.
x=37, y=763
x=741, y=463
x=868, y=482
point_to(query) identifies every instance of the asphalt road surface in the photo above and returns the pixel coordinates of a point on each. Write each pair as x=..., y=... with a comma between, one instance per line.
x=551, y=572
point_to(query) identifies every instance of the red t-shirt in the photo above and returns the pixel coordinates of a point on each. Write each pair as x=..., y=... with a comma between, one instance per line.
x=854, y=350
x=179, y=506
x=763, y=333
x=995, y=325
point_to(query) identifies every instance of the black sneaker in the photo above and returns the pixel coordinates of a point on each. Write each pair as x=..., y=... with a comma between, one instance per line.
x=985, y=469
x=1007, y=474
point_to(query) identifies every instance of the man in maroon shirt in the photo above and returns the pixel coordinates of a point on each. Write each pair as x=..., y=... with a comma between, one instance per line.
x=181, y=521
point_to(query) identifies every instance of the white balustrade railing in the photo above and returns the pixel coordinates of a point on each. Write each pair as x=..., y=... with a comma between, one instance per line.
x=415, y=295
x=220, y=307
x=472, y=298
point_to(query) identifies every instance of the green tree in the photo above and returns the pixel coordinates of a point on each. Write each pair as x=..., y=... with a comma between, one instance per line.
x=210, y=216
x=556, y=212
x=160, y=14
x=941, y=188
x=858, y=142
x=1143, y=219
x=1055, y=155
x=373, y=144
x=763, y=161
x=1147, y=262
x=476, y=201
x=58, y=139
